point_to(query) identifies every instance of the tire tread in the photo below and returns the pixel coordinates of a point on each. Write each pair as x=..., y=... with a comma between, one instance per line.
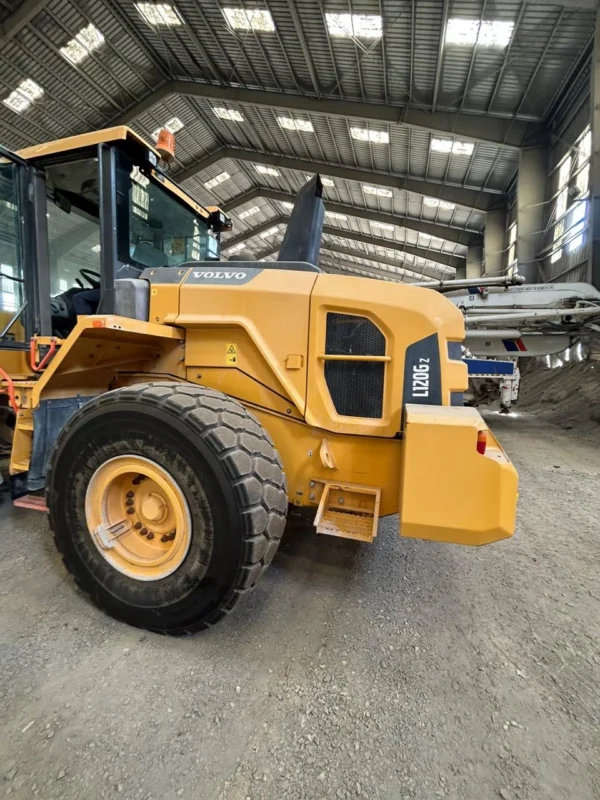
x=256, y=475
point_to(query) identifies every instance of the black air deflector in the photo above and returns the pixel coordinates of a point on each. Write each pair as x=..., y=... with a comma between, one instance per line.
x=302, y=239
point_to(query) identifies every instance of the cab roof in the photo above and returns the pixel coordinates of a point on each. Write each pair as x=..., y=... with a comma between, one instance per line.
x=107, y=135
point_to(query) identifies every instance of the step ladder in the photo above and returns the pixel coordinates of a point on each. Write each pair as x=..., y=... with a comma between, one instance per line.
x=349, y=510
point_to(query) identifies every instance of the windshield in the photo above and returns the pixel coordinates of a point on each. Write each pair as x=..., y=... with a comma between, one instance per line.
x=162, y=231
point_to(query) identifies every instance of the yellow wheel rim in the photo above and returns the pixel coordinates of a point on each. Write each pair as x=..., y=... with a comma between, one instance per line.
x=138, y=517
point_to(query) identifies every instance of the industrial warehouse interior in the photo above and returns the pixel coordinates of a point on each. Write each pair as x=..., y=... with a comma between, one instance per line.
x=300, y=399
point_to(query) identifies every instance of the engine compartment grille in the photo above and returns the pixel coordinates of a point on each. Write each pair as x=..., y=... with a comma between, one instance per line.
x=356, y=387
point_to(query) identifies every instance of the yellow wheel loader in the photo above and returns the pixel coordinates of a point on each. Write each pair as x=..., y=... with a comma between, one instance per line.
x=173, y=407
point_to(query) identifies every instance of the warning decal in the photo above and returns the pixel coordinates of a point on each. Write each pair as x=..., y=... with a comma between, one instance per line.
x=231, y=354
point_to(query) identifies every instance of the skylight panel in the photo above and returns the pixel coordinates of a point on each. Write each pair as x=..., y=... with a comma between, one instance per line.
x=235, y=248
x=246, y=19
x=356, y=26
x=172, y=125
x=384, y=226
x=335, y=215
x=159, y=14
x=376, y=190
x=269, y=232
x=325, y=181
x=434, y=202
x=364, y=135
x=249, y=213
x=457, y=148
x=267, y=170
x=486, y=33
x=26, y=93
x=230, y=114
x=287, y=205
x=296, y=124
x=222, y=176
x=85, y=42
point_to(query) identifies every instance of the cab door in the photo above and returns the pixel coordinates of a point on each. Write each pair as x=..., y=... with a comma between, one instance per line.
x=23, y=255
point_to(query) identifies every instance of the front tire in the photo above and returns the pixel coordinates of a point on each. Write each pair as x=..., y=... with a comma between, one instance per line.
x=167, y=502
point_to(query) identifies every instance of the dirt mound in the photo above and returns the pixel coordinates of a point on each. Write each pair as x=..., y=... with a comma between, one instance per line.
x=568, y=396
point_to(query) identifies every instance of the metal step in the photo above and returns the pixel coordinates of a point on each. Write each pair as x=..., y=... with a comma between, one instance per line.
x=349, y=510
x=32, y=502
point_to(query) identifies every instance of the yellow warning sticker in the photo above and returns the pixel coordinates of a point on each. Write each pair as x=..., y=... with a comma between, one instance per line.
x=231, y=354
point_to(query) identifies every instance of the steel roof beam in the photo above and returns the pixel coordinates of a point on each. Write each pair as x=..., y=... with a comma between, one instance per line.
x=481, y=199
x=21, y=17
x=338, y=269
x=433, y=271
x=505, y=131
x=444, y=259
x=437, y=229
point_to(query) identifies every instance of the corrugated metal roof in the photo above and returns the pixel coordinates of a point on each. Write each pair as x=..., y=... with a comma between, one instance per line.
x=410, y=67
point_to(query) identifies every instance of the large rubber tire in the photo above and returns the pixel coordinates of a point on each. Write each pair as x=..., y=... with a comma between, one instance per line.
x=231, y=476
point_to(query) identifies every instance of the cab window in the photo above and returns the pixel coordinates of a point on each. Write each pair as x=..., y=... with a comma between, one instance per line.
x=156, y=229
x=73, y=222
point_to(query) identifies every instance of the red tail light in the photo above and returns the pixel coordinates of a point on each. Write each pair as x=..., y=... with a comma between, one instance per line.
x=481, y=442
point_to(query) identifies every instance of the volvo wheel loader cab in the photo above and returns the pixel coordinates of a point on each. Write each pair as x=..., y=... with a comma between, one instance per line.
x=174, y=406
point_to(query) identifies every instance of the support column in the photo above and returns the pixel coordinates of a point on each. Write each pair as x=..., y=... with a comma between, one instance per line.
x=474, y=261
x=494, y=235
x=531, y=193
x=594, y=211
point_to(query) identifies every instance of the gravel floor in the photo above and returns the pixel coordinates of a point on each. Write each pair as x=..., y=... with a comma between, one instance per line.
x=399, y=670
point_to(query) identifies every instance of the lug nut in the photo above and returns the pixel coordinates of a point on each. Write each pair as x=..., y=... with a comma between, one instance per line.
x=129, y=502
x=150, y=535
x=137, y=526
x=130, y=510
x=171, y=536
x=164, y=537
x=144, y=531
x=129, y=494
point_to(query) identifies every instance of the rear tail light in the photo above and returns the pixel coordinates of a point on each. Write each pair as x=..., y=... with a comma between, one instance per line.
x=481, y=442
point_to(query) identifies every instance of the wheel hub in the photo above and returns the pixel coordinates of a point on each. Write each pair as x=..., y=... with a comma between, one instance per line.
x=138, y=517
x=154, y=508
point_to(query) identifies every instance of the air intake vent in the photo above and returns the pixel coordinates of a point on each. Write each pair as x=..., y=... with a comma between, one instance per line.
x=356, y=387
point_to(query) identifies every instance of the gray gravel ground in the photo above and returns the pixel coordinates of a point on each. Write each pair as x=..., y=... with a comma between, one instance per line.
x=400, y=670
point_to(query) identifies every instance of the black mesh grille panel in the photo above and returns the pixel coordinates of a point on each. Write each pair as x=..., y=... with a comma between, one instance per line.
x=356, y=387
x=348, y=335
